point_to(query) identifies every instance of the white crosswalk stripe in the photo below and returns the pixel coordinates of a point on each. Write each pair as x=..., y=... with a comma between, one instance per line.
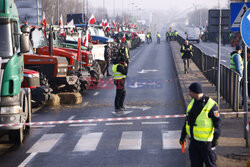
x=170, y=139
x=45, y=143
x=131, y=140
x=88, y=142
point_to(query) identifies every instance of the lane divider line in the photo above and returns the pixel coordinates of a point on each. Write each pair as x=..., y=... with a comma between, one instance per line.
x=109, y=119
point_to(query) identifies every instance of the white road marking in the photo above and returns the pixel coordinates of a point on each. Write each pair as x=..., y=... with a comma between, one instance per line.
x=45, y=143
x=71, y=117
x=79, y=125
x=88, y=142
x=130, y=140
x=27, y=160
x=43, y=126
x=96, y=93
x=85, y=104
x=120, y=123
x=171, y=139
x=154, y=123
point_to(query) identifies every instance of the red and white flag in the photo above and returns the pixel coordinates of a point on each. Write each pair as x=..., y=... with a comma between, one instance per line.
x=124, y=38
x=86, y=40
x=92, y=19
x=105, y=23
x=44, y=23
x=62, y=32
x=79, y=48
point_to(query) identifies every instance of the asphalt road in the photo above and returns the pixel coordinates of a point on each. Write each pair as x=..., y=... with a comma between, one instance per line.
x=144, y=143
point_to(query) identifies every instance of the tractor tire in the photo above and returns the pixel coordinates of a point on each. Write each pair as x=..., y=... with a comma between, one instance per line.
x=16, y=136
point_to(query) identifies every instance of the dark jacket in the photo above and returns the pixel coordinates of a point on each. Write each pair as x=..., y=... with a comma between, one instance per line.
x=187, y=54
x=193, y=114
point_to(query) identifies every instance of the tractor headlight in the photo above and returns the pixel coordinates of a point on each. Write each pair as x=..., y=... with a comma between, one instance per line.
x=64, y=70
x=58, y=70
x=10, y=110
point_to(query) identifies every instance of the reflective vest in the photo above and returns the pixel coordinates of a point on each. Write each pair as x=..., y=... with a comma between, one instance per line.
x=147, y=35
x=203, y=129
x=117, y=74
x=126, y=51
x=176, y=33
x=158, y=35
x=232, y=63
x=190, y=47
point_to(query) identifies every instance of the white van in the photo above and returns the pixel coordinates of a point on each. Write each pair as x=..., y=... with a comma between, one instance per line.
x=193, y=34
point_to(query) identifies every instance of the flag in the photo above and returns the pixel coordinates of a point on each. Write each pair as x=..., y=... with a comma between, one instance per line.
x=134, y=25
x=114, y=24
x=103, y=23
x=43, y=22
x=86, y=40
x=79, y=48
x=92, y=19
x=106, y=23
x=62, y=32
x=123, y=38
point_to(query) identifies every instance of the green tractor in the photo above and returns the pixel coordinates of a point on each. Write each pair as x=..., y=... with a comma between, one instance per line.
x=15, y=101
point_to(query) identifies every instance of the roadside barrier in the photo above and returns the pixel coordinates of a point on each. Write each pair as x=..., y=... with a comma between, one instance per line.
x=229, y=85
x=109, y=119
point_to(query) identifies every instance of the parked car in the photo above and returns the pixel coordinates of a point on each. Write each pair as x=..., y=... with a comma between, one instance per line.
x=193, y=34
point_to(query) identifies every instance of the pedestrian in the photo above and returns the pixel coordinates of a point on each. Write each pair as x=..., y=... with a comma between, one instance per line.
x=186, y=55
x=158, y=35
x=120, y=71
x=202, y=125
x=236, y=63
x=175, y=35
x=167, y=34
x=124, y=51
x=107, y=56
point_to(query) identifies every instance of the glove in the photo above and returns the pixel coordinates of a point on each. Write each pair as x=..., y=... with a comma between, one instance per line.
x=214, y=143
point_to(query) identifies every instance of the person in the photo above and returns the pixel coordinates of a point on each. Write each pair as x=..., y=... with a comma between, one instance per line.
x=125, y=52
x=186, y=54
x=175, y=35
x=120, y=71
x=167, y=34
x=158, y=35
x=202, y=125
x=107, y=56
x=236, y=62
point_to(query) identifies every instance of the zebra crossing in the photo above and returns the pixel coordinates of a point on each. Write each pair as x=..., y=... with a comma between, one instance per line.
x=129, y=140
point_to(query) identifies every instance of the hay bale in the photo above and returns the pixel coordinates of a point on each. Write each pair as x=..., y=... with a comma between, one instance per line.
x=70, y=98
x=53, y=101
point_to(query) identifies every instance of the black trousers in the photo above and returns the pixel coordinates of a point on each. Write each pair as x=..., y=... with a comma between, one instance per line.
x=120, y=93
x=201, y=153
x=106, y=68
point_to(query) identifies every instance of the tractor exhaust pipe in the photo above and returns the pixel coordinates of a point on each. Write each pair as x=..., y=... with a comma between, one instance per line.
x=50, y=43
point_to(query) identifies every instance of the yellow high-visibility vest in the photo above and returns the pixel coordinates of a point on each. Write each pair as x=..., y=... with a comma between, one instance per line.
x=117, y=74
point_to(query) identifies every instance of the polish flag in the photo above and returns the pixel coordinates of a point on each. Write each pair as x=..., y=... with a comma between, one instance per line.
x=86, y=40
x=43, y=22
x=103, y=23
x=79, y=48
x=62, y=32
x=92, y=19
x=134, y=25
x=123, y=38
x=106, y=23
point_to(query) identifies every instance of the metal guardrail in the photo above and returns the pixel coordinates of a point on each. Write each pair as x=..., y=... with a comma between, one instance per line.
x=230, y=85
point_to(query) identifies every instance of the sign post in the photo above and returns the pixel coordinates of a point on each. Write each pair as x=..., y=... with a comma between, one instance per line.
x=245, y=33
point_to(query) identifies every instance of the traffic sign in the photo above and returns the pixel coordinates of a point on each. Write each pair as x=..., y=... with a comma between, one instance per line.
x=237, y=12
x=245, y=28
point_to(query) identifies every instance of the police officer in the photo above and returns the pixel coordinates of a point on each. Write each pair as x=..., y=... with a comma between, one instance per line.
x=186, y=54
x=120, y=71
x=124, y=51
x=202, y=125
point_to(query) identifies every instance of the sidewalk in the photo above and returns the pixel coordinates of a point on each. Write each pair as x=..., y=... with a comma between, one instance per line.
x=231, y=151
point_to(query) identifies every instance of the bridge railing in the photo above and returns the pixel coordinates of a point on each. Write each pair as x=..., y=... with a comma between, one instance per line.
x=229, y=85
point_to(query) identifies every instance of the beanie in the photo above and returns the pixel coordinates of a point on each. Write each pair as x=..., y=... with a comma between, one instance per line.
x=238, y=47
x=196, y=87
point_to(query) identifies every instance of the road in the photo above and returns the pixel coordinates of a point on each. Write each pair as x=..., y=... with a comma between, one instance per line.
x=211, y=49
x=136, y=143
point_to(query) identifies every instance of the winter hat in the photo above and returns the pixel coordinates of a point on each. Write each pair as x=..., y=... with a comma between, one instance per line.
x=196, y=87
x=238, y=47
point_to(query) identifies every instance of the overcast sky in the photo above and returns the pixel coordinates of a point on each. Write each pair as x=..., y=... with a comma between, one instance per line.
x=158, y=4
